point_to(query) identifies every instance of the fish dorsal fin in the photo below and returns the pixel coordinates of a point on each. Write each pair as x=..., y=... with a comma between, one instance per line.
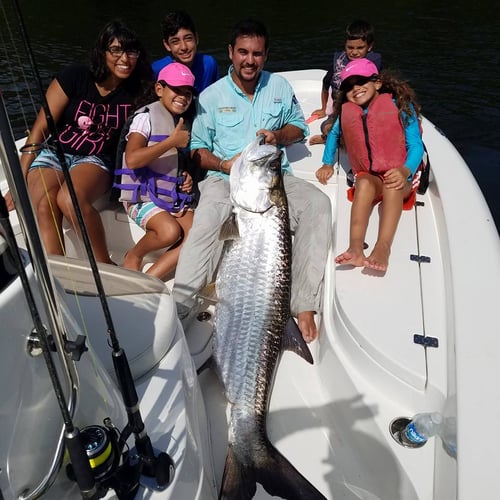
x=293, y=341
x=229, y=229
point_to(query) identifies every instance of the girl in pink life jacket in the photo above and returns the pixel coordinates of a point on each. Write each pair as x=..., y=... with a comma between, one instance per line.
x=158, y=197
x=379, y=123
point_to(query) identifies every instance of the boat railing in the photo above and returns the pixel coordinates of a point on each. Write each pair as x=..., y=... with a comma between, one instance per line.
x=54, y=468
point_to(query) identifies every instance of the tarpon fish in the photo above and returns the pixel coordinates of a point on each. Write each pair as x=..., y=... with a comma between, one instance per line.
x=253, y=325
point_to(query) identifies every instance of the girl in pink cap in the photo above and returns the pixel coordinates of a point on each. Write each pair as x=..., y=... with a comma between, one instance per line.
x=155, y=182
x=379, y=124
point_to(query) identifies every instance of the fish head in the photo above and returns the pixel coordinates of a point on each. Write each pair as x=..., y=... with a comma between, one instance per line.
x=254, y=177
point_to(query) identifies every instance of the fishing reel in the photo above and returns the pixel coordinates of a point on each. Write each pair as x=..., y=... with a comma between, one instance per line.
x=113, y=466
x=110, y=464
x=100, y=450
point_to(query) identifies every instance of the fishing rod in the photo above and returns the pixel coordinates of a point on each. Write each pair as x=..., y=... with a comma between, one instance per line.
x=158, y=466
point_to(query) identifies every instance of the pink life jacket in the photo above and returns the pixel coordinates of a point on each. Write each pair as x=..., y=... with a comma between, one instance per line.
x=375, y=141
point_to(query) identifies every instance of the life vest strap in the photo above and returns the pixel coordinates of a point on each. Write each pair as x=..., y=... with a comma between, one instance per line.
x=148, y=188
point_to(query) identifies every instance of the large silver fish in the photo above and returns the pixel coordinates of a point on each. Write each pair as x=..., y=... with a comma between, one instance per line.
x=253, y=325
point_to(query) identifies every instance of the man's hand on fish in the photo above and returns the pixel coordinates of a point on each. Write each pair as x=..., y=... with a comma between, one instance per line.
x=269, y=136
x=286, y=135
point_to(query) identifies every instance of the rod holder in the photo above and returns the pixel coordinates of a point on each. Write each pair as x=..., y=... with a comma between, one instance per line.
x=396, y=429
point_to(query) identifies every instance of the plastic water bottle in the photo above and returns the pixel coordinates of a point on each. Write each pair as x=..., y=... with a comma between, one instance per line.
x=423, y=426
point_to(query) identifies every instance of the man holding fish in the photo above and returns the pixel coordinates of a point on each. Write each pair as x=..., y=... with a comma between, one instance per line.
x=231, y=112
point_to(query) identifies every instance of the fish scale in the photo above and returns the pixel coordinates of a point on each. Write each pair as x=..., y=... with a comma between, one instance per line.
x=243, y=316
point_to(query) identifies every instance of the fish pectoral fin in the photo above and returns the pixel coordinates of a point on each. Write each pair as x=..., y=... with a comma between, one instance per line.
x=293, y=341
x=238, y=482
x=229, y=229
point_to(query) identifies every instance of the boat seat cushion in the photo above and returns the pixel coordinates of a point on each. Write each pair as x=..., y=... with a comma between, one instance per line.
x=146, y=335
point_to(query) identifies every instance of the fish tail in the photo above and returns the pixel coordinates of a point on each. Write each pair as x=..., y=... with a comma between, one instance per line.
x=271, y=469
x=280, y=478
x=238, y=481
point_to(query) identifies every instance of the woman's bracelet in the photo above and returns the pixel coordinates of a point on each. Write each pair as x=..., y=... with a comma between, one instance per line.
x=32, y=148
x=219, y=168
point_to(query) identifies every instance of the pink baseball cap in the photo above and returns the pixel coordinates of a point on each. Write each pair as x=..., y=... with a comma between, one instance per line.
x=358, y=67
x=176, y=75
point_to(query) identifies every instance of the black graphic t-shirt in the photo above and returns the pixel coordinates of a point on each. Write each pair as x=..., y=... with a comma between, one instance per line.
x=91, y=124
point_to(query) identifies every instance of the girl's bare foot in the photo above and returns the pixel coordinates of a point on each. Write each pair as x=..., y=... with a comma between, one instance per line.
x=307, y=325
x=379, y=258
x=317, y=139
x=352, y=258
x=132, y=261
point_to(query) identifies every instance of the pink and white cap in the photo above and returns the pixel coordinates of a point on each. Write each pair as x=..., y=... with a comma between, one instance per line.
x=358, y=67
x=176, y=75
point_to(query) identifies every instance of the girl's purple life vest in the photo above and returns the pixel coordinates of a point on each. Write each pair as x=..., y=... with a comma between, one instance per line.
x=159, y=181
